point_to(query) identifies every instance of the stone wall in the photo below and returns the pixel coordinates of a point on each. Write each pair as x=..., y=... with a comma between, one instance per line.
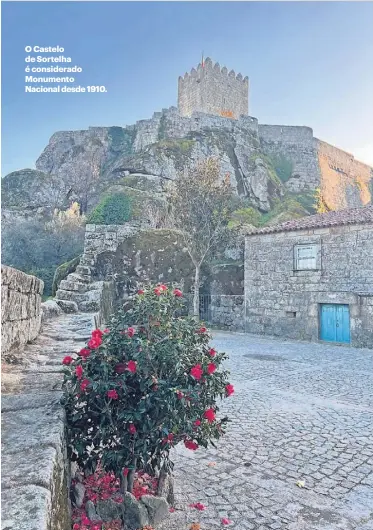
x=345, y=182
x=20, y=308
x=297, y=145
x=227, y=312
x=212, y=90
x=285, y=302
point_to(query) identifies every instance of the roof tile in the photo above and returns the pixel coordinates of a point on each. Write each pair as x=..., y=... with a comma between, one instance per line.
x=341, y=217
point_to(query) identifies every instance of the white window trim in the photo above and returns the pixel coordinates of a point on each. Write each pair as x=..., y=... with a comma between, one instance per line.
x=309, y=260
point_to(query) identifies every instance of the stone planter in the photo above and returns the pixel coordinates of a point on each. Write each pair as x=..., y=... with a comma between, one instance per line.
x=135, y=514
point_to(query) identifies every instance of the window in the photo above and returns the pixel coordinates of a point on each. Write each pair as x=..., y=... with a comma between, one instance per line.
x=305, y=257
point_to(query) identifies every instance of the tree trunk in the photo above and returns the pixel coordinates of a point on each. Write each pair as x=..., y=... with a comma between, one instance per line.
x=196, y=292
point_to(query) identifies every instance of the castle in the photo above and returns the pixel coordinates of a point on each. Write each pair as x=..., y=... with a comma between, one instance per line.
x=212, y=90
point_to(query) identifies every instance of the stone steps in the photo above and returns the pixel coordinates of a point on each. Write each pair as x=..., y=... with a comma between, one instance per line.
x=70, y=285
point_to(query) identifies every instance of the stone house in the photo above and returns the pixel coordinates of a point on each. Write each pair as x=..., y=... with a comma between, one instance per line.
x=312, y=278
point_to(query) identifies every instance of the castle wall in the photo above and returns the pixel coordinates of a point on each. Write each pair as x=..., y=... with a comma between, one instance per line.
x=344, y=181
x=213, y=90
x=298, y=146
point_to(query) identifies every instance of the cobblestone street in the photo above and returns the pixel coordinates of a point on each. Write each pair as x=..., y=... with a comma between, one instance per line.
x=300, y=412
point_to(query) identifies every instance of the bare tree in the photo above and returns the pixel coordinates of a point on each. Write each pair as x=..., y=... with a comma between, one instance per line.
x=201, y=203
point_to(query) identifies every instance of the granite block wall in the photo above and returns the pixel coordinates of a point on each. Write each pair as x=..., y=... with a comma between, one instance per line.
x=20, y=308
x=285, y=302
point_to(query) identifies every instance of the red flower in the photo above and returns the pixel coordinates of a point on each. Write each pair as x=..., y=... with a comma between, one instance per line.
x=76, y=526
x=189, y=444
x=79, y=371
x=211, y=368
x=229, y=389
x=198, y=506
x=85, y=353
x=201, y=330
x=158, y=291
x=169, y=439
x=97, y=333
x=225, y=521
x=163, y=287
x=140, y=291
x=112, y=394
x=197, y=423
x=95, y=342
x=84, y=384
x=96, y=527
x=125, y=471
x=106, y=330
x=179, y=394
x=212, y=352
x=67, y=360
x=209, y=415
x=131, y=366
x=132, y=429
x=196, y=372
x=130, y=332
x=85, y=520
x=120, y=368
x=172, y=509
x=177, y=292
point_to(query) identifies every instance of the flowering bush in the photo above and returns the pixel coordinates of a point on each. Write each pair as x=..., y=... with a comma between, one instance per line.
x=144, y=384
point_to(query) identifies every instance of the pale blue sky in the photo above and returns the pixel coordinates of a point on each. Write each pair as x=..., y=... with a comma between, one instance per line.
x=309, y=63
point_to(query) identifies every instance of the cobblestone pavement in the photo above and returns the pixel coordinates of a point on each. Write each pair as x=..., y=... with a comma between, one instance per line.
x=300, y=412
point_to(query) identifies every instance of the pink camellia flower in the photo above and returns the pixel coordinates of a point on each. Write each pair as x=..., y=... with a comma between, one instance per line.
x=97, y=333
x=130, y=332
x=96, y=527
x=112, y=394
x=197, y=423
x=201, y=330
x=158, y=291
x=179, y=394
x=106, y=330
x=189, y=444
x=85, y=353
x=177, y=293
x=85, y=520
x=67, y=360
x=76, y=526
x=225, y=521
x=132, y=366
x=229, y=390
x=196, y=372
x=211, y=368
x=95, y=342
x=212, y=352
x=209, y=415
x=79, y=371
x=171, y=509
x=140, y=291
x=132, y=429
x=84, y=384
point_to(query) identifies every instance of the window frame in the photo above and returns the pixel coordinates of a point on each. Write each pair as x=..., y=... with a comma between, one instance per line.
x=316, y=257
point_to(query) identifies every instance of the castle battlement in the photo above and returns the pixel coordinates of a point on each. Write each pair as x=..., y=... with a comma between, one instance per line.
x=213, y=90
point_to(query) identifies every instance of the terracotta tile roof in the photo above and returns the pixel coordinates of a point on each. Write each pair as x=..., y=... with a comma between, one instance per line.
x=342, y=217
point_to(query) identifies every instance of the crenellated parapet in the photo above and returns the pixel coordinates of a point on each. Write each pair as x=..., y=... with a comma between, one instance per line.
x=213, y=90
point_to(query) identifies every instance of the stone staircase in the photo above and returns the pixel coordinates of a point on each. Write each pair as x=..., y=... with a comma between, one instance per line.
x=78, y=292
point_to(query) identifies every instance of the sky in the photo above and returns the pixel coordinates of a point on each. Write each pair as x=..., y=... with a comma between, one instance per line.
x=309, y=63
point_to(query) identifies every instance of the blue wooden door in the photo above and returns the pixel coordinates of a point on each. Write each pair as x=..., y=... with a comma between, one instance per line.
x=335, y=323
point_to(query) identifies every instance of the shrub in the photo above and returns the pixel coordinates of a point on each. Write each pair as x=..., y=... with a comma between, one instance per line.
x=112, y=210
x=62, y=272
x=138, y=388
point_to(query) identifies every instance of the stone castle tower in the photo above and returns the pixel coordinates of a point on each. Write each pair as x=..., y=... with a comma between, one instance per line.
x=212, y=90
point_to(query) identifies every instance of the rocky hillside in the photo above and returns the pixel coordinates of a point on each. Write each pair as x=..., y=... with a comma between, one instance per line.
x=270, y=166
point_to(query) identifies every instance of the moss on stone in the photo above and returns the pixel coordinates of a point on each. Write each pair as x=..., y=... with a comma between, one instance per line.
x=63, y=271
